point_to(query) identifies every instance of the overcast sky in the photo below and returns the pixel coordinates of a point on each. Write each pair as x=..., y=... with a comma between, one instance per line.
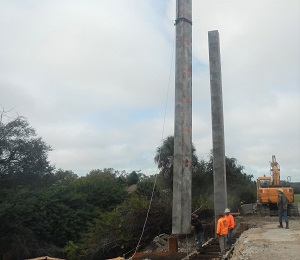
x=96, y=79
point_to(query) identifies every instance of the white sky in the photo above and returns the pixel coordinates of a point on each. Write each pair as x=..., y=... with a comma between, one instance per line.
x=93, y=77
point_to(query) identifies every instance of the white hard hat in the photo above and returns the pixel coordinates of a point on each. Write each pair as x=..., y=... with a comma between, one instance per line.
x=280, y=190
x=227, y=210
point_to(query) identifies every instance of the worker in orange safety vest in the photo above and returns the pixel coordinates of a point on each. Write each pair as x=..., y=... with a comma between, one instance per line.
x=222, y=231
x=230, y=220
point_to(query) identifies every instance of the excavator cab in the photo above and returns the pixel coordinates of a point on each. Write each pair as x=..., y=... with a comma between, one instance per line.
x=264, y=183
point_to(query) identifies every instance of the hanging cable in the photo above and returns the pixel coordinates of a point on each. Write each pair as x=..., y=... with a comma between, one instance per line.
x=159, y=154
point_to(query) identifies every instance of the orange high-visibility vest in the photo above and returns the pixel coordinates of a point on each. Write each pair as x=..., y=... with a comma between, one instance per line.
x=222, y=226
x=230, y=221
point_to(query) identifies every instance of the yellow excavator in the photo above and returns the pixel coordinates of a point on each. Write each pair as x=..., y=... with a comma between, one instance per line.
x=267, y=192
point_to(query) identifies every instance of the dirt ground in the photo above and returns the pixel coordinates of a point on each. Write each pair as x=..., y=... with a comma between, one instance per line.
x=264, y=240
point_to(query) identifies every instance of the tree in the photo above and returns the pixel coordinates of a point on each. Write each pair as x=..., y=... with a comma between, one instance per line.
x=35, y=222
x=240, y=186
x=164, y=159
x=102, y=188
x=24, y=224
x=202, y=182
x=64, y=176
x=146, y=188
x=133, y=178
x=23, y=156
x=294, y=185
x=118, y=231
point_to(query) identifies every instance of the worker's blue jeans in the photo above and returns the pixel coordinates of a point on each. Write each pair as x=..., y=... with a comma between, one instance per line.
x=282, y=213
x=200, y=236
x=229, y=236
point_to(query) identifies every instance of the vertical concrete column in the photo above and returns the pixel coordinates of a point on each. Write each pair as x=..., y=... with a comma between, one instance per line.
x=219, y=168
x=182, y=169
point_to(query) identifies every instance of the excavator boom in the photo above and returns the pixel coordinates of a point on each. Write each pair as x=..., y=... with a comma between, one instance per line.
x=275, y=171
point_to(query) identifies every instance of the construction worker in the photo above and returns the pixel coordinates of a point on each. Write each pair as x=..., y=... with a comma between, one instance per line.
x=222, y=231
x=196, y=222
x=282, y=203
x=230, y=221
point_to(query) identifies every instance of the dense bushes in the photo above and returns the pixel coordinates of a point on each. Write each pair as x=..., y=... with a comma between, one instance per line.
x=119, y=231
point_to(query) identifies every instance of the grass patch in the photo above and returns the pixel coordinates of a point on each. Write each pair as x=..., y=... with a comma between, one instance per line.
x=297, y=198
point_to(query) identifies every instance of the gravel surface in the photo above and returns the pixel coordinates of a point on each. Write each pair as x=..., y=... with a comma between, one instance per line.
x=265, y=241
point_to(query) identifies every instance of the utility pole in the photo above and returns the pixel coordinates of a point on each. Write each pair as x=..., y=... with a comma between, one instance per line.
x=182, y=169
x=219, y=168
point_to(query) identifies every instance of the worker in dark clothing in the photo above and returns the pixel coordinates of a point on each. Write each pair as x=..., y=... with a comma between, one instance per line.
x=282, y=203
x=196, y=222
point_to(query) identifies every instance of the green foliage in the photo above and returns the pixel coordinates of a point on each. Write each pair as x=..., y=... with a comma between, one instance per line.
x=297, y=198
x=92, y=217
x=102, y=188
x=119, y=231
x=202, y=180
x=240, y=187
x=133, y=178
x=21, y=221
x=165, y=161
x=164, y=157
x=54, y=215
x=295, y=186
x=64, y=177
x=23, y=156
x=146, y=188
x=203, y=202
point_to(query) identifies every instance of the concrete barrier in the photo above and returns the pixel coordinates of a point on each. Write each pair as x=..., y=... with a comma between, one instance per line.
x=247, y=209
